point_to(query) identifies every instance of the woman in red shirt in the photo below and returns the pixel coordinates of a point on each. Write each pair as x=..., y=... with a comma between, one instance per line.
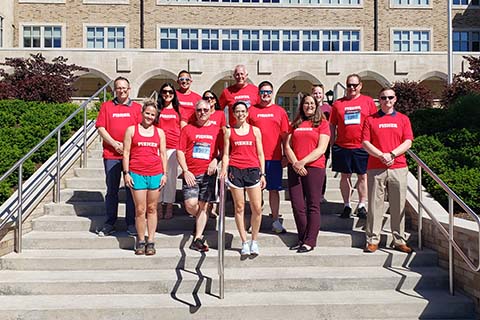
x=169, y=121
x=144, y=162
x=305, y=149
x=243, y=165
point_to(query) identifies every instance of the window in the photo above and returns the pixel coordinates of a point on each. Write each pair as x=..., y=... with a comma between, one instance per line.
x=106, y=37
x=466, y=2
x=411, y=3
x=291, y=40
x=466, y=41
x=411, y=41
x=42, y=36
x=189, y=39
x=230, y=40
x=210, y=39
x=251, y=40
x=271, y=40
x=350, y=40
x=311, y=40
x=331, y=41
x=168, y=38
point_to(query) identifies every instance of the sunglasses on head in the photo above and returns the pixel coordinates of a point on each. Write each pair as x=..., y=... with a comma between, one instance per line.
x=353, y=85
x=387, y=97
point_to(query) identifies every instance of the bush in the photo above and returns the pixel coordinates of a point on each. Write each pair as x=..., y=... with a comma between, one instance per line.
x=35, y=79
x=412, y=96
x=464, y=83
x=27, y=123
x=92, y=113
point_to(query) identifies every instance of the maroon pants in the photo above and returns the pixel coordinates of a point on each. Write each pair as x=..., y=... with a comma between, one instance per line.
x=305, y=193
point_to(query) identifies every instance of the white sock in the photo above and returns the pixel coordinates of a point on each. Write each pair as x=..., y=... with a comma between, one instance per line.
x=361, y=205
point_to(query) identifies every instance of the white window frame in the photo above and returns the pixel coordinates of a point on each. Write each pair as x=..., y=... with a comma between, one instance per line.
x=105, y=27
x=469, y=5
x=190, y=32
x=291, y=36
x=159, y=37
x=267, y=3
x=411, y=40
x=411, y=4
x=226, y=35
x=106, y=2
x=42, y=27
x=210, y=39
x=246, y=36
x=43, y=1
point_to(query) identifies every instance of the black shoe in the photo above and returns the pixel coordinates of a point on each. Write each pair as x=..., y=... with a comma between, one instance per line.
x=296, y=247
x=304, y=249
x=199, y=245
x=347, y=211
x=106, y=230
x=362, y=213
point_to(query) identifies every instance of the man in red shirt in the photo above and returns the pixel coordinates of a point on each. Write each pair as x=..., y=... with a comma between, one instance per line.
x=186, y=97
x=272, y=120
x=114, y=118
x=348, y=156
x=240, y=91
x=386, y=136
x=198, y=154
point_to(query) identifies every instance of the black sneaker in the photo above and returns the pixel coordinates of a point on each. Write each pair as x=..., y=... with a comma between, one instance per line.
x=362, y=213
x=199, y=245
x=347, y=211
x=106, y=230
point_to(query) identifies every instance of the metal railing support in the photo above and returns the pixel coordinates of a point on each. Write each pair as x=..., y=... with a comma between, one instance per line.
x=19, y=224
x=221, y=240
x=450, y=244
x=83, y=163
x=58, y=176
x=420, y=209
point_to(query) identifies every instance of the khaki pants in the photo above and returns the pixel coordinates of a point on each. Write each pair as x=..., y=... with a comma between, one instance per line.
x=395, y=182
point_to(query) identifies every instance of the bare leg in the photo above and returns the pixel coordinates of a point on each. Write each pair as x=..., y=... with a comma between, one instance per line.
x=152, y=202
x=140, y=199
x=362, y=188
x=239, y=202
x=192, y=206
x=274, y=199
x=345, y=187
x=201, y=219
x=255, y=196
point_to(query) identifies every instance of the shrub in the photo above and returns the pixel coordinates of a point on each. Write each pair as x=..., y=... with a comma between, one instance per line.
x=464, y=83
x=27, y=124
x=411, y=96
x=35, y=79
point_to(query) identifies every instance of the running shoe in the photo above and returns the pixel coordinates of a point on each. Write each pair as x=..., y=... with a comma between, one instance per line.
x=199, y=245
x=277, y=227
x=106, y=230
x=254, y=251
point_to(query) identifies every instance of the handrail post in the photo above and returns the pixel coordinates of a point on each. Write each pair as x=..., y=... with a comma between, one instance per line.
x=420, y=209
x=19, y=223
x=84, y=149
x=450, y=244
x=221, y=240
x=59, y=166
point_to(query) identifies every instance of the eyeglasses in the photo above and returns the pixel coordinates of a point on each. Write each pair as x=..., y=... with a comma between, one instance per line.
x=202, y=110
x=121, y=88
x=387, y=97
x=266, y=91
x=209, y=98
x=353, y=85
x=184, y=79
x=167, y=91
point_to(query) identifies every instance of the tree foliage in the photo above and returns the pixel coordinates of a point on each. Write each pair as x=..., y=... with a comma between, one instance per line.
x=464, y=83
x=412, y=96
x=36, y=79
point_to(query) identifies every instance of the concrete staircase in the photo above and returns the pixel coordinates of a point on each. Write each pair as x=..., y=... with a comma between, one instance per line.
x=67, y=272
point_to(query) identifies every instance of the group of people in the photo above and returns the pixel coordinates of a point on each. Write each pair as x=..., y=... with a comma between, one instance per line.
x=183, y=129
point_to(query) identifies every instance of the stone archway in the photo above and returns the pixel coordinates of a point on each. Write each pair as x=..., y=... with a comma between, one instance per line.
x=89, y=82
x=435, y=81
x=151, y=81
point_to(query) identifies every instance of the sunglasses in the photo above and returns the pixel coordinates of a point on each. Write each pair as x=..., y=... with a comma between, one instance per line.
x=209, y=98
x=184, y=79
x=202, y=110
x=353, y=85
x=167, y=91
x=387, y=97
x=265, y=91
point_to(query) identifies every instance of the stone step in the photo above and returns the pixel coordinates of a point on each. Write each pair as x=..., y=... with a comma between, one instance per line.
x=380, y=304
x=247, y=280
x=181, y=239
x=170, y=258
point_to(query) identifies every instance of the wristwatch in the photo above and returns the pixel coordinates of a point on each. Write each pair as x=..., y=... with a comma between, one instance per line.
x=393, y=155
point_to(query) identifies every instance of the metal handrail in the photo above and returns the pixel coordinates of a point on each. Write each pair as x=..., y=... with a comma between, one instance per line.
x=19, y=166
x=452, y=244
x=221, y=239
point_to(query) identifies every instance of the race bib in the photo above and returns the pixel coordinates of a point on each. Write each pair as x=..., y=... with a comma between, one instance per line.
x=352, y=117
x=201, y=150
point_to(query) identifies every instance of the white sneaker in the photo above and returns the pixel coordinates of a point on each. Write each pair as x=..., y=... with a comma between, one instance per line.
x=254, y=248
x=245, y=249
x=277, y=227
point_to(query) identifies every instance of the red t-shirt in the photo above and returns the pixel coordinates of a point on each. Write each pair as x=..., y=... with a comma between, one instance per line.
x=230, y=95
x=200, y=145
x=305, y=139
x=169, y=122
x=187, y=104
x=144, y=154
x=386, y=132
x=348, y=116
x=272, y=122
x=116, y=118
x=243, y=150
